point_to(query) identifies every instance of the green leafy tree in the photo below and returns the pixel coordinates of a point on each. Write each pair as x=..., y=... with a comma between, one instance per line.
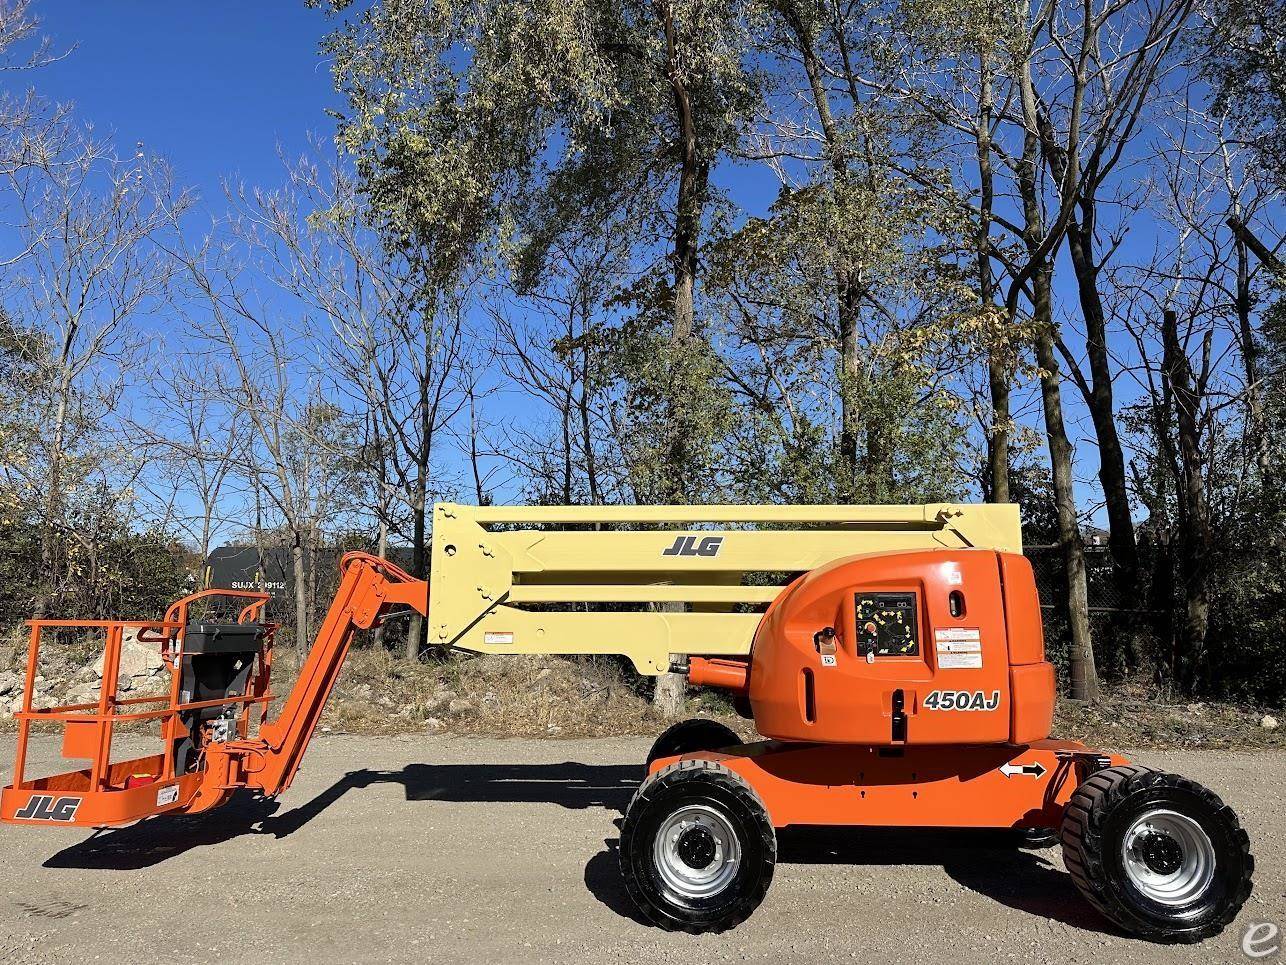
x=1243, y=52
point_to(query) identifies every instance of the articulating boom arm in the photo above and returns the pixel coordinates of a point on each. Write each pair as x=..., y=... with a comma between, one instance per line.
x=368, y=586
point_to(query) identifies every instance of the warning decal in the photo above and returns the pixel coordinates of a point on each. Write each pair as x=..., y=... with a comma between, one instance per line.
x=959, y=648
x=497, y=636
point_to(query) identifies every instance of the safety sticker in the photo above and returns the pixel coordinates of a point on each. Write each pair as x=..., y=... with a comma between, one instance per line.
x=497, y=636
x=959, y=648
x=957, y=635
x=167, y=795
x=828, y=660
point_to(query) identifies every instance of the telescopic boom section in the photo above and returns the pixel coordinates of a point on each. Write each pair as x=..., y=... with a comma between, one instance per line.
x=369, y=587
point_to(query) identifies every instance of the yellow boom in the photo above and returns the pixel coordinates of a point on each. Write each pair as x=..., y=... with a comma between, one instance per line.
x=592, y=579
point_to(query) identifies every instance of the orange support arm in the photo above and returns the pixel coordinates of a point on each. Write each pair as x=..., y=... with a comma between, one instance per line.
x=716, y=672
x=367, y=587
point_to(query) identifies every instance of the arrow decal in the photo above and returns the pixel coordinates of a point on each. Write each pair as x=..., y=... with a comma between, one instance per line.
x=1036, y=770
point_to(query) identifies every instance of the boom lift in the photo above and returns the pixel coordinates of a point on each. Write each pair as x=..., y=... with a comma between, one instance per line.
x=898, y=675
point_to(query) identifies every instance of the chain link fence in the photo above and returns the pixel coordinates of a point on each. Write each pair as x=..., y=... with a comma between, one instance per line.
x=1104, y=594
x=1120, y=624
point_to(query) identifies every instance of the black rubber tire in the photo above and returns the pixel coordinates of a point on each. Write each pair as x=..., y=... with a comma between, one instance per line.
x=715, y=786
x=1094, y=825
x=697, y=734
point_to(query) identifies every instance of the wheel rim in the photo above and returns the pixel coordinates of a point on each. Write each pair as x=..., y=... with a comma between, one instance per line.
x=696, y=851
x=1168, y=857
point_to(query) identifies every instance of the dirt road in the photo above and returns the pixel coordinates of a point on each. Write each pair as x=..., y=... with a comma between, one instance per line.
x=429, y=849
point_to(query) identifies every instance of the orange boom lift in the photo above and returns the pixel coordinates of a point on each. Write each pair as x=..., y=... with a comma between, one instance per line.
x=898, y=688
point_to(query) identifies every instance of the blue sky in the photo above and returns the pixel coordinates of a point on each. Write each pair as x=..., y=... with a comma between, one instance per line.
x=213, y=86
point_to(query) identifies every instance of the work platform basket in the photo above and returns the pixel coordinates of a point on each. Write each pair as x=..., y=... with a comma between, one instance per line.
x=217, y=673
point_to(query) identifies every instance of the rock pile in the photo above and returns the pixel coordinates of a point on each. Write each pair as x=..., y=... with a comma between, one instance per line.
x=58, y=681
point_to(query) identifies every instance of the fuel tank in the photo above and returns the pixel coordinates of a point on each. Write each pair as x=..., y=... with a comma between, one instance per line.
x=908, y=647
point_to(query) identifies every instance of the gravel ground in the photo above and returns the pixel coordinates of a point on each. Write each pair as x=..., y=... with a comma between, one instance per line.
x=415, y=849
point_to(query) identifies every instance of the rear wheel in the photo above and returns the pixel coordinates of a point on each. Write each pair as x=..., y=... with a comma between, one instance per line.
x=697, y=734
x=1158, y=854
x=697, y=848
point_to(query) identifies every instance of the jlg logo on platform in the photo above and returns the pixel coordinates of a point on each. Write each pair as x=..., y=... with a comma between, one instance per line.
x=44, y=807
x=688, y=546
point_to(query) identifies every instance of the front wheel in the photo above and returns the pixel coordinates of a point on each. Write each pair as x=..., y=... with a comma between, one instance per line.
x=1158, y=854
x=697, y=848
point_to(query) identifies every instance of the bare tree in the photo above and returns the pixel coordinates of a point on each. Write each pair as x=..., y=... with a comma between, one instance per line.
x=198, y=442
x=1189, y=310
x=549, y=347
x=398, y=346
x=94, y=268
x=1111, y=60
x=270, y=381
x=1250, y=193
x=33, y=132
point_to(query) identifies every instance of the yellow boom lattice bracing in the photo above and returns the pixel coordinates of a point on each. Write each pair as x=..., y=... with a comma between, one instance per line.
x=588, y=579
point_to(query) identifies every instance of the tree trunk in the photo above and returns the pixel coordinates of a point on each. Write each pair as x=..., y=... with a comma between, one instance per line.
x=1081, y=655
x=694, y=177
x=261, y=555
x=850, y=415
x=381, y=550
x=586, y=427
x=1195, y=534
x=668, y=698
x=1256, y=436
x=300, y=578
x=415, y=631
x=47, y=588
x=998, y=374
x=569, y=452
x=999, y=435
x=314, y=543
x=693, y=183
x=417, y=626
x=207, y=534
x=1100, y=401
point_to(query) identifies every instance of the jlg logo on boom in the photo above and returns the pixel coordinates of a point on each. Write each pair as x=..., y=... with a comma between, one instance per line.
x=688, y=546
